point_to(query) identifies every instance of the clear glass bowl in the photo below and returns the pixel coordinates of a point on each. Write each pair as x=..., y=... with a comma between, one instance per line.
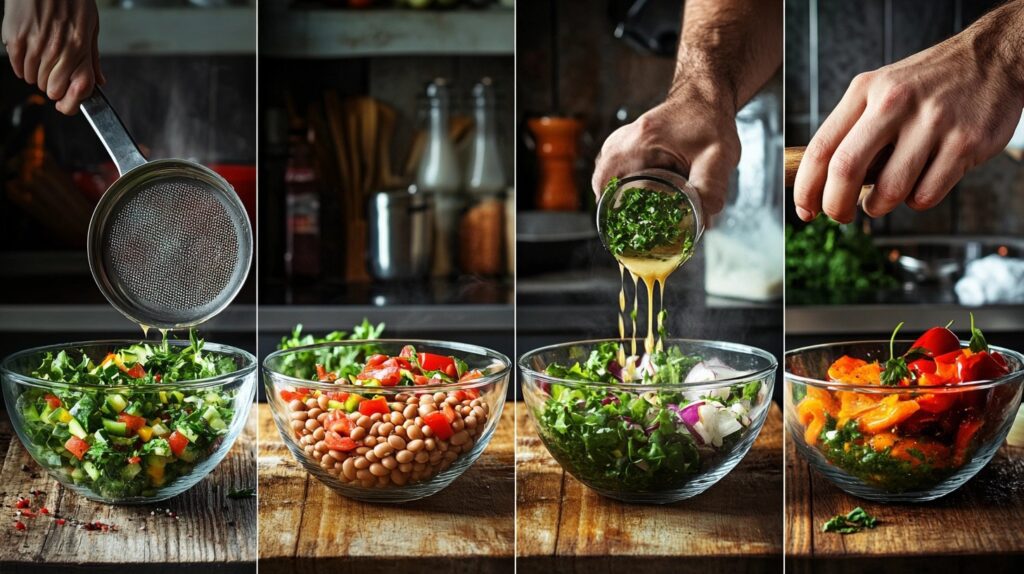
x=40, y=441
x=608, y=466
x=917, y=460
x=360, y=473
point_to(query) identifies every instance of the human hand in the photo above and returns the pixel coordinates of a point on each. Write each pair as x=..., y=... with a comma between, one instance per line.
x=53, y=44
x=944, y=110
x=693, y=133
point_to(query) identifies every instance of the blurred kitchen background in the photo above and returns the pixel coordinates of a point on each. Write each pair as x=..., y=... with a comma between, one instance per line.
x=862, y=279
x=386, y=169
x=584, y=69
x=183, y=80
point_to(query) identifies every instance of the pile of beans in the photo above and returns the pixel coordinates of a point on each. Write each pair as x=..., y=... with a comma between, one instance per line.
x=395, y=449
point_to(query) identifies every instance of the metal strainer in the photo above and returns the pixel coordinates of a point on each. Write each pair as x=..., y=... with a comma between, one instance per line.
x=169, y=242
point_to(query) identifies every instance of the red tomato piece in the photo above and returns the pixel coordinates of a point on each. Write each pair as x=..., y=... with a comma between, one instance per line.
x=338, y=421
x=407, y=352
x=377, y=405
x=135, y=460
x=451, y=371
x=387, y=376
x=289, y=396
x=439, y=424
x=432, y=362
x=53, y=401
x=342, y=443
x=449, y=412
x=77, y=447
x=133, y=423
x=178, y=443
x=420, y=379
x=136, y=372
x=324, y=376
x=471, y=375
x=374, y=360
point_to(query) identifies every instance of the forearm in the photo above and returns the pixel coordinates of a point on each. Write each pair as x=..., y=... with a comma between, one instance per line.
x=728, y=49
x=998, y=37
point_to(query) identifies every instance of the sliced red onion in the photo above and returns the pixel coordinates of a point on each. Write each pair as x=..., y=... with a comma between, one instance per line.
x=690, y=415
x=610, y=399
x=615, y=369
x=652, y=428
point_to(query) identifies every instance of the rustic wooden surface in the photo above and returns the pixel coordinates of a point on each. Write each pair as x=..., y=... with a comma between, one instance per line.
x=977, y=528
x=735, y=526
x=212, y=532
x=306, y=527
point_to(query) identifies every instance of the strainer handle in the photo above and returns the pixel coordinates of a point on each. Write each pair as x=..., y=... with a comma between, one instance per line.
x=119, y=143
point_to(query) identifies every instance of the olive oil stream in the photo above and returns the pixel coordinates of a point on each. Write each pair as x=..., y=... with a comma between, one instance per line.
x=652, y=272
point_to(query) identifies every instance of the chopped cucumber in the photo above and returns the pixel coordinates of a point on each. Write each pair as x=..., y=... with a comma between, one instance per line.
x=30, y=413
x=75, y=428
x=218, y=424
x=116, y=428
x=190, y=454
x=163, y=397
x=91, y=470
x=55, y=416
x=99, y=437
x=160, y=430
x=188, y=433
x=130, y=471
x=335, y=405
x=210, y=413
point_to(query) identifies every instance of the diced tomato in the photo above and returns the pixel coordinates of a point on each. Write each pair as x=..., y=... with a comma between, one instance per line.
x=136, y=372
x=420, y=379
x=432, y=362
x=472, y=393
x=134, y=460
x=438, y=422
x=407, y=352
x=377, y=405
x=342, y=443
x=449, y=412
x=338, y=421
x=19, y=525
x=53, y=401
x=133, y=423
x=157, y=377
x=44, y=510
x=323, y=376
x=374, y=360
x=77, y=447
x=296, y=395
x=451, y=371
x=178, y=443
x=470, y=375
x=949, y=357
x=937, y=341
x=387, y=376
x=333, y=396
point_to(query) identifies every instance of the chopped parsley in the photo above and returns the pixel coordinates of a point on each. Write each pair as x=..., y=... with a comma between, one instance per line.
x=645, y=220
x=851, y=522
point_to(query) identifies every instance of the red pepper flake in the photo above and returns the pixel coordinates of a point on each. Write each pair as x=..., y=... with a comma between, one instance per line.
x=44, y=510
x=61, y=522
x=18, y=525
x=27, y=513
x=22, y=503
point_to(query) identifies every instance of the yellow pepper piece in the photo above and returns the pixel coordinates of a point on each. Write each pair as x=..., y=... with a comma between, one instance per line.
x=146, y=433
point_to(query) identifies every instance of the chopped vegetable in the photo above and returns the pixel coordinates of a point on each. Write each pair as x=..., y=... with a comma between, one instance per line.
x=644, y=220
x=851, y=522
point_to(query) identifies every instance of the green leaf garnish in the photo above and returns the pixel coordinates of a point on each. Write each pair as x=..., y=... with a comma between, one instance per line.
x=851, y=522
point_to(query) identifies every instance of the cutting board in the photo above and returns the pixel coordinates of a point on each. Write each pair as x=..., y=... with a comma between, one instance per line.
x=307, y=527
x=977, y=528
x=735, y=526
x=211, y=532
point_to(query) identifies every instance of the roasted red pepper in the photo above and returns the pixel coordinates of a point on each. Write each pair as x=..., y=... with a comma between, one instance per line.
x=377, y=405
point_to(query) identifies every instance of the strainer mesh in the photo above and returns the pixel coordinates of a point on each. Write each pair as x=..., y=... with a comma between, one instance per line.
x=171, y=247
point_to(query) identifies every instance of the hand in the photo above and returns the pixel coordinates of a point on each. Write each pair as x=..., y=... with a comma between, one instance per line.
x=692, y=133
x=53, y=44
x=944, y=110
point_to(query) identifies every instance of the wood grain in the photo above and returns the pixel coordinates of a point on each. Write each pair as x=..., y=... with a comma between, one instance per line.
x=212, y=532
x=974, y=529
x=736, y=526
x=305, y=526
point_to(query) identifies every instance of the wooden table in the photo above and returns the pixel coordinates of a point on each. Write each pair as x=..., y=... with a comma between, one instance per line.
x=977, y=528
x=307, y=527
x=212, y=533
x=736, y=526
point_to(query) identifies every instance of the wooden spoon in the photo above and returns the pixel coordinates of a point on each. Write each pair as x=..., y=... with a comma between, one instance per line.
x=793, y=155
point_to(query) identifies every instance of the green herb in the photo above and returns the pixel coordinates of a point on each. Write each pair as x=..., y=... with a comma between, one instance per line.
x=341, y=360
x=851, y=522
x=242, y=493
x=978, y=342
x=896, y=367
x=645, y=220
x=831, y=263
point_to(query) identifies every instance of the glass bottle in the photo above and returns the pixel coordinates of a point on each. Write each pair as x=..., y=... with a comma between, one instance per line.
x=439, y=174
x=302, y=210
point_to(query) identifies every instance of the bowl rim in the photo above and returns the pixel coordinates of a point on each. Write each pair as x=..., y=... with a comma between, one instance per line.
x=879, y=389
x=662, y=387
x=248, y=368
x=278, y=376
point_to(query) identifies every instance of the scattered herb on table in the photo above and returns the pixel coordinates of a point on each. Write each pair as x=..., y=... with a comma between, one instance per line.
x=644, y=220
x=854, y=521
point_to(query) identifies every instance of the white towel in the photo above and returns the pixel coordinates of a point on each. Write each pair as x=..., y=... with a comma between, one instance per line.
x=992, y=279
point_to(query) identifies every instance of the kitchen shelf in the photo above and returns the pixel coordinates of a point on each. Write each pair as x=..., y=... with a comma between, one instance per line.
x=881, y=318
x=177, y=31
x=356, y=33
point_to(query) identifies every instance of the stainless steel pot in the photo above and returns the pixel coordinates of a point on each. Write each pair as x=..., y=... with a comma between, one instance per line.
x=401, y=232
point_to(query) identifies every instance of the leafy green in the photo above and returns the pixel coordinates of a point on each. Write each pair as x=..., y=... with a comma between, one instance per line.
x=341, y=360
x=851, y=522
x=645, y=220
x=896, y=368
x=978, y=342
x=831, y=263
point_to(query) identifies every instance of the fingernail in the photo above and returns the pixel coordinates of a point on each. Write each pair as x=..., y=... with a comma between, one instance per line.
x=803, y=214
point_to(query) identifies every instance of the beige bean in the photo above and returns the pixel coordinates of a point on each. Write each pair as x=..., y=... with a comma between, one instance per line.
x=442, y=446
x=307, y=440
x=396, y=442
x=458, y=425
x=299, y=415
x=309, y=450
x=384, y=480
x=405, y=467
x=298, y=425
x=310, y=403
x=321, y=446
x=375, y=429
x=400, y=431
x=364, y=421
x=401, y=397
x=315, y=412
x=414, y=432
x=470, y=422
x=422, y=457
x=371, y=456
x=320, y=417
x=319, y=433
x=415, y=445
x=296, y=405
x=375, y=417
x=451, y=400
x=426, y=399
x=419, y=466
x=439, y=397
x=349, y=468
x=382, y=449
x=311, y=424
x=363, y=474
x=389, y=463
x=427, y=431
x=368, y=483
x=409, y=412
x=363, y=450
x=398, y=477
x=361, y=463
x=425, y=410
x=321, y=402
x=337, y=455
x=397, y=418
x=404, y=456
x=358, y=433
x=430, y=444
x=435, y=456
x=326, y=458
x=370, y=441
x=450, y=456
x=385, y=429
x=460, y=438
x=377, y=469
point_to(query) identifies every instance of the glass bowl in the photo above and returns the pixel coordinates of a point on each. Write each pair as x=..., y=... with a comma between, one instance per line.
x=929, y=454
x=153, y=477
x=594, y=429
x=412, y=464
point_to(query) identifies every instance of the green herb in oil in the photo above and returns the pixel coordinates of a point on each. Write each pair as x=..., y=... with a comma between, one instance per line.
x=644, y=221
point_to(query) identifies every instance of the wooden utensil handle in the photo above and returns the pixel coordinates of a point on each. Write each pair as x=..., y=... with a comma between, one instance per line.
x=793, y=155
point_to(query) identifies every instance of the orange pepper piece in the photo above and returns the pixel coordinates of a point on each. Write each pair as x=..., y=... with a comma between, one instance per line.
x=852, y=404
x=843, y=366
x=811, y=413
x=883, y=441
x=933, y=452
x=889, y=412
